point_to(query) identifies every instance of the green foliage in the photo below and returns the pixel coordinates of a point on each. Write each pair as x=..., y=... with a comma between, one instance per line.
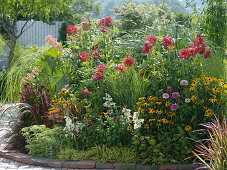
x=148, y=151
x=102, y=130
x=44, y=142
x=2, y=44
x=3, y=75
x=215, y=21
x=126, y=88
x=134, y=16
x=101, y=154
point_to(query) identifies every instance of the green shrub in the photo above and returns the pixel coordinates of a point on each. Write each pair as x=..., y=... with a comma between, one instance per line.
x=43, y=141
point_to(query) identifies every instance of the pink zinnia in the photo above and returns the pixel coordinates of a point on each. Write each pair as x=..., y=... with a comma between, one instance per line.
x=168, y=42
x=147, y=48
x=84, y=56
x=183, y=82
x=121, y=68
x=207, y=53
x=174, y=107
x=85, y=92
x=98, y=77
x=72, y=29
x=106, y=22
x=129, y=61
x=165, y=95
x=184, y=54
x=152, y=39
x=101, y=68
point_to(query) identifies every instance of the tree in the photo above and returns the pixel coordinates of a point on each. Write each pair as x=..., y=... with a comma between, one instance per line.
x=12, y=11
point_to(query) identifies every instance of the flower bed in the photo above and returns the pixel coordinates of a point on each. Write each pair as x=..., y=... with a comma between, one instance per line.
x=108, y=98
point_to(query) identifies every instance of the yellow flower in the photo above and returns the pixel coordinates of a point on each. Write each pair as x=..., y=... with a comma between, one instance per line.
x=225, y=86
x=64, y=92
x=158, y=103
x=152, y=98
x=53, y=100
x=209, y=112
x=194, y=97
x=142, y=98
x=151, y=120
x=167, y=104
x=159, y=112
x=151, y=111
x=188, y=128
x=215, y=90
x=146, y=104
x=138, y=103
x=192, y=87
x=213, y=100
x=129, y=128
x=165, y=121
x=206, y=82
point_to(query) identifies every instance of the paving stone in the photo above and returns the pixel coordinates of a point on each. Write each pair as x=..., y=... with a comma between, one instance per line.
x=79, y=164
x=129, y=166
x=104, y=165
x=146, y=167
x=168, y=167
x=186, y=167
x=55, y=163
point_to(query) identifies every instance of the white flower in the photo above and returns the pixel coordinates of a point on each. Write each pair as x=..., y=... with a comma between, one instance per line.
x=187, y=100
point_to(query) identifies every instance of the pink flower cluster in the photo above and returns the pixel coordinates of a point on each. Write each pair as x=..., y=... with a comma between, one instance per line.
x=31, y=76
x=167, y=42
x=84, y=56
x=99, y=74
x=198, y=47
x=53, y=41
x=148, y=44
x=106, y=22
x=72, y=29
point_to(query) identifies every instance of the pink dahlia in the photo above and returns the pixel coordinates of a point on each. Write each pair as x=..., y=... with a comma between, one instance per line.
x=129, y=61
x=84, y=56
x=147, y=47
x=106, y=22
x=168, y=42
x=72, y=29
x=121, y=68
x=152, y=39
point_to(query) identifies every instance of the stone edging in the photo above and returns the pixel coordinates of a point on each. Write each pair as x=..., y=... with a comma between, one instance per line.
x=53, y=163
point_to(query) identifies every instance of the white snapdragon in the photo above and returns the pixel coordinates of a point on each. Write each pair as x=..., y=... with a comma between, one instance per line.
x=71, y=127
x=109, y=101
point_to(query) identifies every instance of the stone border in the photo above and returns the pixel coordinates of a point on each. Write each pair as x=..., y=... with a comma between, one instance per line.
x=85, y=164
